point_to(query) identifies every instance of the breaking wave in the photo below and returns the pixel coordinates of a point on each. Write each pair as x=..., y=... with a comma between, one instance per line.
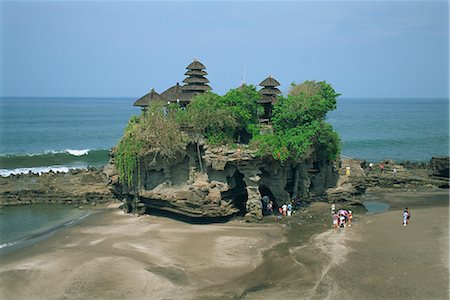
x=57, y=161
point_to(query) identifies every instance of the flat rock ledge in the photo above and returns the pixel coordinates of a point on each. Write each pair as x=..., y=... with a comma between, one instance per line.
x=408, y=177
x=74, y=187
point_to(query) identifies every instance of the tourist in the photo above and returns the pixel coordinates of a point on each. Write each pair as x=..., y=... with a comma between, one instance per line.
x=394, y=172
x=409, y=216
x=264, y=203
x=350, y=218
x=335, y=220
x=342, y=221
x=370, y=167
x=284, y=207
x=381, y=168
x=333, y=208
x=264, y=207
x=270, y=207
x=289, y=209
x=347, y=171
x=405, y=217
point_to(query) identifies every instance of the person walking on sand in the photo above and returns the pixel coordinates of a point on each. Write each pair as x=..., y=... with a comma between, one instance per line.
x=342, y=221
x=335, y=220
x=409, y=215
x=405, y=217
x=394, y=172
x=350, y=218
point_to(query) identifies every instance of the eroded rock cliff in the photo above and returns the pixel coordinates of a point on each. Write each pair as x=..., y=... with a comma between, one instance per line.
x=232, y=182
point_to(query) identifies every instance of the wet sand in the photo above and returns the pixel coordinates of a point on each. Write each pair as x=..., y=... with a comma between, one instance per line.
x=117, y=256
x=389, y=261
x=376, y=258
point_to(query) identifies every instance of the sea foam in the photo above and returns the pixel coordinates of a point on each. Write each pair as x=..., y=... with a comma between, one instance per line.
x=78, y=152
x=36, y=170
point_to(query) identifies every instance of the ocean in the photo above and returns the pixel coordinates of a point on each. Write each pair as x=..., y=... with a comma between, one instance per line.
x=42, y=134
x=399, y=129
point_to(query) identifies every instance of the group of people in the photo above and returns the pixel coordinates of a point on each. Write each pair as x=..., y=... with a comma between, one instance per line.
x=381, y=166
x=269, y=207
x=342, y=218
x=286, y=209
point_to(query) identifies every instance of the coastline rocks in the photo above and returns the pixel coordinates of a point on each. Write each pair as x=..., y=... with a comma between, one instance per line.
x=440, y=166
x=419, y=176
x=76, y=187
x=347, y=188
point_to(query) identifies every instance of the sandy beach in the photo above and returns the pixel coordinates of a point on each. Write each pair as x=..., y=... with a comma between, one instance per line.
x=389, y=261
x=116, y=256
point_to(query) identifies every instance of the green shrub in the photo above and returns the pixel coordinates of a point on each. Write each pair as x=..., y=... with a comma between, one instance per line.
x=299, y=124
x=157, y=131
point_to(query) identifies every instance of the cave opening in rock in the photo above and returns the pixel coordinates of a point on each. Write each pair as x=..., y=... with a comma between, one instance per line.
x=239, y=192
x=265, y=191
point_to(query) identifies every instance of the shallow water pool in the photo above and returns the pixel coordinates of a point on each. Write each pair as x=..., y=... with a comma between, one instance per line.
x=374, y=207
x=21, y=224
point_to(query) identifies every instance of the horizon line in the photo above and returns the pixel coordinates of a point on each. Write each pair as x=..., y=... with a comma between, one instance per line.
x=132, y=97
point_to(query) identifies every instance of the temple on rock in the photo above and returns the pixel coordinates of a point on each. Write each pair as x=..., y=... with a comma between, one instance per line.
x=196, y=83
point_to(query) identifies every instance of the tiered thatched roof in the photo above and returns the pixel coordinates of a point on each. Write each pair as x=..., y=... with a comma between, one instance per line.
x=196, y=65
x=192, y=80
x=269, y=91
x=196, y=73
x=196, y=82
x=269, y=94
x=269, y=81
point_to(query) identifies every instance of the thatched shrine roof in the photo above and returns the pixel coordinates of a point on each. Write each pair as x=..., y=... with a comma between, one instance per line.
x=196, y=65
x=191, y=80
x=173, y=93
x=269, y=82
x=196, y=73
x=148, y=98
x=177, y=92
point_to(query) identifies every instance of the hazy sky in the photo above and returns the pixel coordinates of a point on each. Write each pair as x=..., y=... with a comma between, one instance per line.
x=122, y=49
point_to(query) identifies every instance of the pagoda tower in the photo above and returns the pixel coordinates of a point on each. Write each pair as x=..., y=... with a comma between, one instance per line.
x=269, y=94
x=196, y=82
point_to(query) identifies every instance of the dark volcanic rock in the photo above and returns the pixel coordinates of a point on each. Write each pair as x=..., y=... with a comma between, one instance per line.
x=77, y=187
x=233, y=182
x=361, y=179
x=440, y=166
